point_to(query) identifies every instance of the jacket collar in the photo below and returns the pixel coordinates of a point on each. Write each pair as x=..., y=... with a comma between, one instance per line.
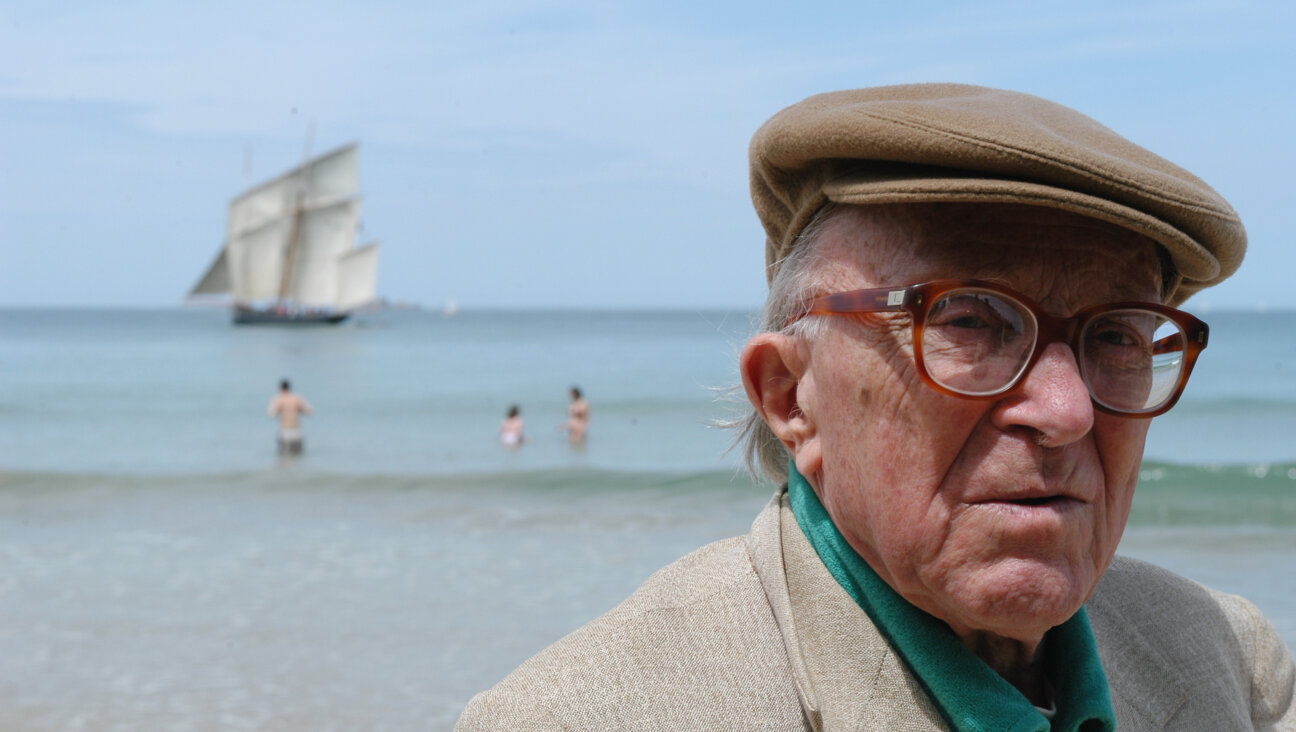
x=846, y=674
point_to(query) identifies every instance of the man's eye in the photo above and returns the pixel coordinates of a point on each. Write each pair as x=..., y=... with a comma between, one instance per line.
x=1114, y=337
x=967, y=321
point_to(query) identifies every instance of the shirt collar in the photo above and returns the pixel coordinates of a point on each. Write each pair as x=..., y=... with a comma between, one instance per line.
x=968, y=693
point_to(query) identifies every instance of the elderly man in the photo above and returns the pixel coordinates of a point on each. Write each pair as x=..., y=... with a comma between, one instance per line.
x=970, y=323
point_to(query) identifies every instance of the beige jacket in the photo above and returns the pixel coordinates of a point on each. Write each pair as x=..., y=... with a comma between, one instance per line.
x=753, y=633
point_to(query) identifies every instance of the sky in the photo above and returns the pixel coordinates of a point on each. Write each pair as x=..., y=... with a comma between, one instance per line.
x=569, y=153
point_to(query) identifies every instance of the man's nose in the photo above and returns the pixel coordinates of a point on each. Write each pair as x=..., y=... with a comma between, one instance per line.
x=1053, y=399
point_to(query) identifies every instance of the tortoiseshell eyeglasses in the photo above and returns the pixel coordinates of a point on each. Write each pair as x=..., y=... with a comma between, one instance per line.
x=978, y=340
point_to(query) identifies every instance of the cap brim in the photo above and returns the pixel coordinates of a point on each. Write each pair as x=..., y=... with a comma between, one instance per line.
x=920, y=184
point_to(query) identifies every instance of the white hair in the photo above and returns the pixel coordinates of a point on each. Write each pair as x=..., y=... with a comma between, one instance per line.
x=795, y=283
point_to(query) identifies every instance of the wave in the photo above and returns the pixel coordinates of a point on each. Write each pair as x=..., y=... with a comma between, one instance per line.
x=1260, y=493
x=1242, y=404
x=545, y=481
x=1168, y=494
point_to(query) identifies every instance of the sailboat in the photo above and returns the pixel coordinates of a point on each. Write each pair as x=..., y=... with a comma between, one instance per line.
x=290, y=254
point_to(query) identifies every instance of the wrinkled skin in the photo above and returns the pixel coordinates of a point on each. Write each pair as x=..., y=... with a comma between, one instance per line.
x=997, y=516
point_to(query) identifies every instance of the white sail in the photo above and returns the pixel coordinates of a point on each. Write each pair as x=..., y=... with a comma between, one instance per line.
x=332, y=176
x=317, y=182
x=216, y=280
x=324, y=235
x=256, y=260
x=358, y=277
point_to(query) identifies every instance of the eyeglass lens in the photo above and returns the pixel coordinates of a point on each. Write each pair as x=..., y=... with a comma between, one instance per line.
x=978, y=342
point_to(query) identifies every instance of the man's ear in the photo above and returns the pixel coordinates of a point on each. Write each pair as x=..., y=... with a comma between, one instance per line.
x=774, y=371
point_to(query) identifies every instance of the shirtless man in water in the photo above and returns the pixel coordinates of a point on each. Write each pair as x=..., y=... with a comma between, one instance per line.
x=289, y=408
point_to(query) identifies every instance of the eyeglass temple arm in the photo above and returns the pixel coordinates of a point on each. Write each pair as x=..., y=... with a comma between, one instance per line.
x=859, y=301
x=1170, y=343
x=1167, y=344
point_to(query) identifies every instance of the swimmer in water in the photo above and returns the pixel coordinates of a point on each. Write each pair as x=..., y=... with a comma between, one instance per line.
x=577, y=417
x=510, y=432
x=289, y=408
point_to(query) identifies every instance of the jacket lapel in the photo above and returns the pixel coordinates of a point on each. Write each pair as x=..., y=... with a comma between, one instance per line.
x=846, y=674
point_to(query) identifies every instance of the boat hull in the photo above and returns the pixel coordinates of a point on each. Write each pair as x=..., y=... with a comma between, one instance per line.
x=253, y=316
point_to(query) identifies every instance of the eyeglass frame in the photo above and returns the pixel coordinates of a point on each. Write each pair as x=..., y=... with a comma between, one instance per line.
x=1049, y=328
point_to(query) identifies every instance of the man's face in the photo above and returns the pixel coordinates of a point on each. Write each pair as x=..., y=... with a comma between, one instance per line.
x=994, y=515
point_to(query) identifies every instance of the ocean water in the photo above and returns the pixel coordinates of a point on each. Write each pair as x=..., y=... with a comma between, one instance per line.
x=412, y=393
x=163, y=568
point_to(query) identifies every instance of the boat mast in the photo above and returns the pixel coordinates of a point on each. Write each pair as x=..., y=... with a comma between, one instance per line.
x=299, y=210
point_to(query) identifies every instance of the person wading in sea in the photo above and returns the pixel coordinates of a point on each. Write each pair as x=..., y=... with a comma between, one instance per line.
x=511, y=427
x=289, y=408
x=577, y=418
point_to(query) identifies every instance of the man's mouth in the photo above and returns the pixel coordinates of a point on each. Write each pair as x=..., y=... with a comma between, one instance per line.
x=1031, y=499
x=1038, y=501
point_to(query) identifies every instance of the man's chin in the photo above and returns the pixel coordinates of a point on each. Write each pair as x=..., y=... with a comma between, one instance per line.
x=1019, y=599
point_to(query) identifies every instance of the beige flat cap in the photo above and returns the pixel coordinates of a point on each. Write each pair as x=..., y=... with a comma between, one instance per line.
x=953, y=142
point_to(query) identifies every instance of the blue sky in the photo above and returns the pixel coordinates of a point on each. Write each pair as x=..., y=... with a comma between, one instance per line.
x=565, y=154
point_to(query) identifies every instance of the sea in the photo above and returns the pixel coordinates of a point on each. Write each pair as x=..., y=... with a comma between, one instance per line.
x=162, y=567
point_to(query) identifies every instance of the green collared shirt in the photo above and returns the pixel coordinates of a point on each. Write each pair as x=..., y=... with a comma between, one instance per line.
x=968, y=693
